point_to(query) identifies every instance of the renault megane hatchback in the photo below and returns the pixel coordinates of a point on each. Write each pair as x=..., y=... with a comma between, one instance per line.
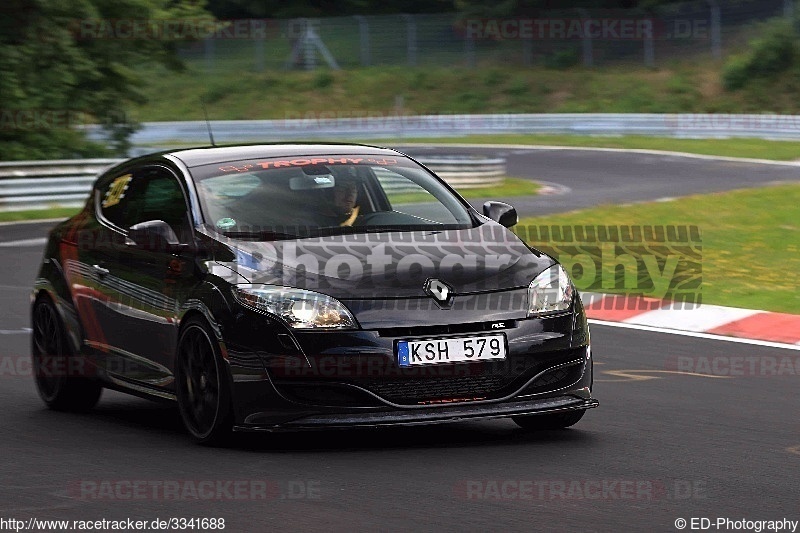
x=301, y=286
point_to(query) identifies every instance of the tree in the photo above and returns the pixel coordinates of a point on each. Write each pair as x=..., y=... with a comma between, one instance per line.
x=67, y=63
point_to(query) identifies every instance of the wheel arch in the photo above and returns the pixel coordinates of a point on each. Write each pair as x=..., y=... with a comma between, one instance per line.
x=203, y=306
x=70, y=321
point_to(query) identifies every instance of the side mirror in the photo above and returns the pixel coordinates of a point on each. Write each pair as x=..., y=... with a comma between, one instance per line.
x=154, y=236
x=501, y=213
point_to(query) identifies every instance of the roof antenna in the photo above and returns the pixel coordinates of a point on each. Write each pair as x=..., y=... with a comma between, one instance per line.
x=208, y=124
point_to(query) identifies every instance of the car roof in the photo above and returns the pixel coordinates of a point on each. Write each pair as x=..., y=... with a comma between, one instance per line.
x=194, y=157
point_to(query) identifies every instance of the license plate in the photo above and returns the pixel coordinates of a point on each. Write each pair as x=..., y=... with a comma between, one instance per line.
x=451, y=350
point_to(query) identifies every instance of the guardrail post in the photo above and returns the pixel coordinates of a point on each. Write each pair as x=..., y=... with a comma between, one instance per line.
x=411, y=44
x=716, y=32
x=527, y=51
x=649, y=49
x=586, y=41
x=309, y=53
x=469, y=50
x=260, y=45
x=208, y=53
x=363, y=32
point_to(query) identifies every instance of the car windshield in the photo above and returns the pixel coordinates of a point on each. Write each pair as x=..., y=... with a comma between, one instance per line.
x=284, y=198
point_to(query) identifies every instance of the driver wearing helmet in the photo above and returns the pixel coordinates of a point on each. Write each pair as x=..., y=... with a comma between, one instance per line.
x=339, y=207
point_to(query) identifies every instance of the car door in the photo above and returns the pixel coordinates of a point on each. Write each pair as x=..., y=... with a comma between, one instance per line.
x=87, y=254
x=149, y=283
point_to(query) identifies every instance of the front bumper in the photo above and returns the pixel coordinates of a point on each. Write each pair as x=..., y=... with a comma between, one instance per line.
x=431, y=415
x=352, y=379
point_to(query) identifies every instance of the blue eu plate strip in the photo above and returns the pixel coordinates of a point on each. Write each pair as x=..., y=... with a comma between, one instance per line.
x=402, y=354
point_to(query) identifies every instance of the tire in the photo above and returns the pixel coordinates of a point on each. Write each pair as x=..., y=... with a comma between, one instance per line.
x=551, y=421
x=60, y=378
x=202, y=385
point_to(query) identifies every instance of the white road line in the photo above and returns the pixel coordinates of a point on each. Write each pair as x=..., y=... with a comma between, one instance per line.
x=695, y=334
x=37, y=221
x=15, y=331
x=24, y=242
x=702, y=318
x=15, y=287
x=544, y=147
x=552, y=188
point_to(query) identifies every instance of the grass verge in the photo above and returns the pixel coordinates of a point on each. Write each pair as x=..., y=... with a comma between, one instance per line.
x=750, y=242
x=508, y=187
x=234, y=90
x=38, y=214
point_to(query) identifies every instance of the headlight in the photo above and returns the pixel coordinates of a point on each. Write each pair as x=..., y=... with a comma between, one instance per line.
x=299, y=308
x=550, y=292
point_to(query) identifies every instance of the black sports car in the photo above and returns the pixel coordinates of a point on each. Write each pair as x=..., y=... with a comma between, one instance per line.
x=300, y=286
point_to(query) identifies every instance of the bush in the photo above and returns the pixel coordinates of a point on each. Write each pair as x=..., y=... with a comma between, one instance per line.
x=563, y=59
x=323, y=80
x=736, y=72
x=772, y=53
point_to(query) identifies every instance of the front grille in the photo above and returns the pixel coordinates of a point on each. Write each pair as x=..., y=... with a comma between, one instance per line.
x=465, y=381
x=431, y=389
x=432, y=383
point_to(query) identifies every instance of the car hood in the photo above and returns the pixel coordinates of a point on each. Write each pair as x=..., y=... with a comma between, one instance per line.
x=391, y=264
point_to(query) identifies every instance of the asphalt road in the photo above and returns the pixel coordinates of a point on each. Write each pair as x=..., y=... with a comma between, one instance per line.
x=661, y=446
x=599, y=177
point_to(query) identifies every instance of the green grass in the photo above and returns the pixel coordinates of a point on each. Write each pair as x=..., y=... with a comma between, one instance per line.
x=750, y=242
x=508, y=187
x=38, y=214
x=234, y=90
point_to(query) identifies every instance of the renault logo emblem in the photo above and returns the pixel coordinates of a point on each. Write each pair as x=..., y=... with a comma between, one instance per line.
x=441, y=291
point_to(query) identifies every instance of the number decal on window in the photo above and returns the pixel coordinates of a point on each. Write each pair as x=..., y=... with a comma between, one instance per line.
x=116, y=191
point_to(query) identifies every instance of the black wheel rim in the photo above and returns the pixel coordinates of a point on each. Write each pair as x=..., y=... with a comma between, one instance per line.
x=49, y=357
x=198, y=381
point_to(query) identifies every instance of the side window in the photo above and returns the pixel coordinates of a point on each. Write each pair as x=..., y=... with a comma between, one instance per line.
x=113, y=197
x=155, y=194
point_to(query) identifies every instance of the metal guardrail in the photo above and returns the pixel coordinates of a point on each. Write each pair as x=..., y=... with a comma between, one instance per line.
x=43, y=184
x=67, y=183
x=395, y=126
x=17, y=193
